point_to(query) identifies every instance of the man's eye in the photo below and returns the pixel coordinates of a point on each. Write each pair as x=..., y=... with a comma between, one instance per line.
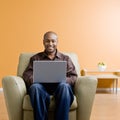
x=53, y=41
x=47, y=41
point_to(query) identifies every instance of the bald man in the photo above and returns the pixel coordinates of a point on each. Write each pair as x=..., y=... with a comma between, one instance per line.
x=40, y=92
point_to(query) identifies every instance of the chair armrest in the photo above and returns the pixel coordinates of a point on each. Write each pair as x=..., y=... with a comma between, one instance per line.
x=85, y=89
x=14, y=90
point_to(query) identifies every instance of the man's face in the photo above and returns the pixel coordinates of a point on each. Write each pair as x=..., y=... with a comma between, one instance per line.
x=50, y=43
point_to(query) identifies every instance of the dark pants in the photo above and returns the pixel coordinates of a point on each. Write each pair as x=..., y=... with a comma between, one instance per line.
x=40, y=100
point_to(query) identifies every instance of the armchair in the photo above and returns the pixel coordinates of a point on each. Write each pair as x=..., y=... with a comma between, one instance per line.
x=18, y=102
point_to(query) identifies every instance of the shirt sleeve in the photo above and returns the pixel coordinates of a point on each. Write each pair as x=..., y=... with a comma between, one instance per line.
x=28, y=74
x=71, y=72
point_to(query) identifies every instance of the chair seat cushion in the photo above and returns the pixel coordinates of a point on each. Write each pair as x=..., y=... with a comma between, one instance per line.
x=27, y=103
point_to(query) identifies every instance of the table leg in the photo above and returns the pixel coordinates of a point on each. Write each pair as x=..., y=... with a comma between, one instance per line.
x=113, y=85
x=116, y=85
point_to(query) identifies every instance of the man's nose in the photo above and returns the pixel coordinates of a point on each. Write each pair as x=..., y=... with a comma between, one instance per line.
x=50, y=42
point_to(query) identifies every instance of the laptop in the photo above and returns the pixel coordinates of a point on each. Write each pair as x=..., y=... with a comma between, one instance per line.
x=49, y=71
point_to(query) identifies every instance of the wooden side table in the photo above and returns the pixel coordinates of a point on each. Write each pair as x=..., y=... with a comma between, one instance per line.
x=115, y=79
x=106, y=75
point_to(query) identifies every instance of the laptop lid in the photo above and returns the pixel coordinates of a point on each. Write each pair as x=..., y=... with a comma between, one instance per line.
x=49, y=71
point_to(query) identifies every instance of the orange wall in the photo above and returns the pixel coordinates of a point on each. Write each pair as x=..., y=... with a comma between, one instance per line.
x=88, y=27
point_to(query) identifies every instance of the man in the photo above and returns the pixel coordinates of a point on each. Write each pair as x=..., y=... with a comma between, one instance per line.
x=40, y=92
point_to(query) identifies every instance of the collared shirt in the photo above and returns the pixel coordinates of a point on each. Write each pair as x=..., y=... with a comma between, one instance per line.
x=71, y=74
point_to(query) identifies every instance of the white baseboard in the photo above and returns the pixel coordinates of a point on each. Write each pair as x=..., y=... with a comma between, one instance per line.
x=1, y=89
x=118, y=89
x=108, y=90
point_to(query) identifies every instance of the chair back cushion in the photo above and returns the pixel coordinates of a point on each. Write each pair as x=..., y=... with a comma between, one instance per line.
x=25, y=57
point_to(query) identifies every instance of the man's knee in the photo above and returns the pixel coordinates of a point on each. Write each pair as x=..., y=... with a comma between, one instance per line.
x=36, y=86
x=64, y=86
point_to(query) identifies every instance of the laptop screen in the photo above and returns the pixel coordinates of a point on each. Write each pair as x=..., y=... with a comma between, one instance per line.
x=49, y=71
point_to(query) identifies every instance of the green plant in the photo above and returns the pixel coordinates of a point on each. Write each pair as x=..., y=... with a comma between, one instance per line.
x=101, y=64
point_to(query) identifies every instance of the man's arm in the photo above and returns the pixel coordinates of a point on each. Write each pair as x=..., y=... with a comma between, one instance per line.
x=71, y=72
x=28, y=74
